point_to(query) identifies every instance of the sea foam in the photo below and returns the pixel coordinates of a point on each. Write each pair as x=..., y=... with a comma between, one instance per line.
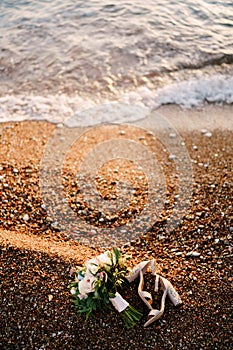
x=75, y=111
x=193, y=93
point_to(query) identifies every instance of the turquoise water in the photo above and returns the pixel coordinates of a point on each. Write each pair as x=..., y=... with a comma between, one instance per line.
x=102, y=49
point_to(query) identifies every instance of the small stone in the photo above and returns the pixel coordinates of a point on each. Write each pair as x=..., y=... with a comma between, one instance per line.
x=178, y=253
x=50, y=297
x=172, y=135
x=60, y=125
x=26, y=217
x=122, y=132
x=208, y=134
x=172, y=156
x=194, y=254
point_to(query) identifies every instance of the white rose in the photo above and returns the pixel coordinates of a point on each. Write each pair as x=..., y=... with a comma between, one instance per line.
x=105, y=258
x=87, y=284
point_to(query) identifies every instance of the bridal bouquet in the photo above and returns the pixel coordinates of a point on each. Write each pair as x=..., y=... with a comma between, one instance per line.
x=96, y=285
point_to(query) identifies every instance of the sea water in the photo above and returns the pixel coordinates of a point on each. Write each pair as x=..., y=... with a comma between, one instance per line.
x=89, y=62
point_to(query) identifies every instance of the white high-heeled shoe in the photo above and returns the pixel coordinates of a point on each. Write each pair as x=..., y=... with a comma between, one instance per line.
x=146, y=297
x=169, y=290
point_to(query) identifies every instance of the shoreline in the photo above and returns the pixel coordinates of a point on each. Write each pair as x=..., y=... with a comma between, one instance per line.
x=208, y=115
x=211, y=117
x=35, y=261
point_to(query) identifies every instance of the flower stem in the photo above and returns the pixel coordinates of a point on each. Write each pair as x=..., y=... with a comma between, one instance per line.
x=131, y=316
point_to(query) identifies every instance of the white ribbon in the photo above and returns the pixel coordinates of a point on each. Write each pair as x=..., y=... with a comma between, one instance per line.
x=119, y=303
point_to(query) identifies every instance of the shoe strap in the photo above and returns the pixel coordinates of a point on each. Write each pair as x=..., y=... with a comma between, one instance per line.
x=142, y=266
x=146, y=295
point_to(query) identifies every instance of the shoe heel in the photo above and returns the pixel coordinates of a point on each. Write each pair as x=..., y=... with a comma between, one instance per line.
x=173, y=295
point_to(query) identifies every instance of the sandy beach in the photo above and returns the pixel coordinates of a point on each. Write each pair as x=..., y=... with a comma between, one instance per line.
x=36, y=257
